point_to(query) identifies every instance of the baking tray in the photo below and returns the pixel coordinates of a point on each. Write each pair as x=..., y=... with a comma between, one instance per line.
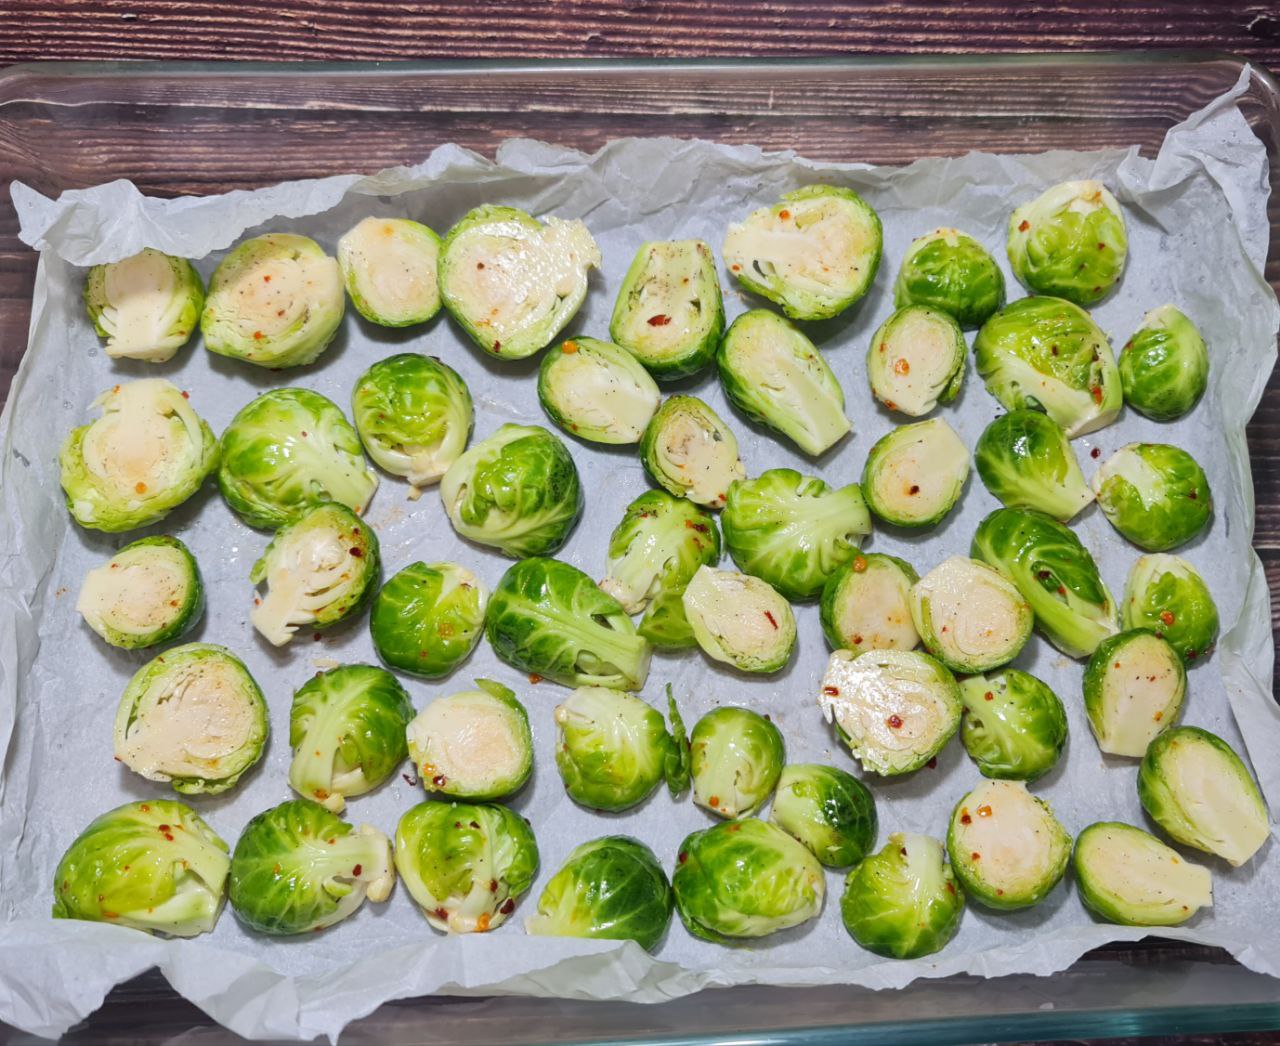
x=175, y=129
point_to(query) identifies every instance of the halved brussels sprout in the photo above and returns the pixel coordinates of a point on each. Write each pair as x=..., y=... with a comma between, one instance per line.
x=597, y=391
x=1069, y=241
x=1047, y=354
x=609, y=889
x=548, y=618
x=915, y=474
x=299, y=867
x=1195, y=787
x=866, y=605
x=517, y=491
x=1165, y=594
x=1006, y=846
x=513, y=282
x=970, y=616
x=473, y=745
x=1164, y=367
x=193, y=717
x=895, y=709
x=147, y=593
x=828, y=810
x=903, y=902
x=776, y=376
x=146, y=306
x=793, y=531
x=290, y=450
x=1134, y=685
x=274, y=301
x=916, y=360
x=1129, y=877
x=389, y=267
x=1014, y=725
x=740, y=620
x=1055, y=574
x=153, y=865
x=1026, y=460
x=1155, y=494
x=949, y=270
x=414, y=415
x=144, y=457
x=346, y=729
x=428, y=618
x=736, y=757
x=814, y=252
x=669, y=314
x=465, y=864
x=745, y=878
x=688, y=451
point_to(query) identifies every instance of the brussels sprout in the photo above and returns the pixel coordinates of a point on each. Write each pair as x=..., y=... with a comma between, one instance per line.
x=597, y=391
x=513, y=282
x=916, y=360
x=653, y=553
x=895, y=709
x=1055, y=574
x=745, y=878
x=1047, y=354
x=1014, y=726
x=517, y=491
x=145, y=306
x=1155, y=494
x=1026, y=460
x=669, y=314
x=1165, y=594
x=775, y=376
x=147, y=593
x=828, y=810
x=1129, y=877
x=903, y=903
x=428, y=618
x=465, y=864
x=1134, y=685
x=1005, y=845
x=319, y=570
x=414, y=415
x=153, y=865
x=740, y=620
x=736, y=757
x=1198, y=790
x=290, y=450
x=949, y=270
x=814, y=252
x=389, y=267
x=274, y=301
x=1069, y=241
x=609, y=889
x=549, y=618
x=866, y=605
x=688, y=451
x=299, y=867
x=969, y=616
x=613, y=748
x=1164, y=367
x=793, y=531
x=194, y=717
x=473, y=745
x=915, y=474
x=143, y=458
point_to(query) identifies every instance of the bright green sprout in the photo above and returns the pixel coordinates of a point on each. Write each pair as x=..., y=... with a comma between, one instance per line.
x=1164, y=367
x=1026, y=460
x=1014, y=725
x=146, y=306
x=428, y=618
x=949, y=270
x=828, y=810
x=1165, y=594
x=1155, y=494
x=597, y=391
x=1070, y=242
x=389, y=268
x=737, y=756
x=148, y=593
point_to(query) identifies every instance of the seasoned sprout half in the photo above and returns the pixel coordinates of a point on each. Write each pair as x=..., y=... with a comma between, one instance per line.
x=428, y=618
x=1014, y=725
x=737, y=755
x=740, y=620
x=389, y=267
x=597, y=391
x=1026, y=460
x=1164, y=367
x=688, y=451
x=1134, y=686
x=916, y=360
x=827, y=809
x=969, y=616
x=1165, y=594
x=147, y=593
x=866, y=605
x=949, y=270
x=146, y=306
x=915, y=474
x=1155, y=494
x=1129, y=877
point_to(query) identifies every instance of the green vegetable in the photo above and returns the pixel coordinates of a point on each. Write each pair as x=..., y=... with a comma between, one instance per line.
x=949, y=270
x=1026, y=460
x=389, y=268
x=1165, y=594
x=1134, y=685
x=688, y=451
x=828, y=810
x=428, y=618
x=1155, y=494
x=969, y=616
x=916, y=360
x=1164, y=367
x=737, y=756
x=148, y=593
x=597, y=391
x=916, y=473
x=866, y=605
x=145, y=306
x=1129, y=877
x=1014, y=725
x=740, y=620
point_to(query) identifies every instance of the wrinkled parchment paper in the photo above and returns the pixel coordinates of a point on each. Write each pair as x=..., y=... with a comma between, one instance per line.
x=1198, y=237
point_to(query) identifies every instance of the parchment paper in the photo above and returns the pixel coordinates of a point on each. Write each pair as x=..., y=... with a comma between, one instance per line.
x=1198, y=237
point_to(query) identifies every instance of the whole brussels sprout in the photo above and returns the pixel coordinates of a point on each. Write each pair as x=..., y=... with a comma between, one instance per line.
x=828, y=810
x=916, y=360
x=597, y=391
x=736, y=757
x=689, y=452
x=1155, y=494
x=610, y=889
x=153, y=865
x=1129, y=877
x=866, y=605
x=969, y=616
x=742, y=879
x=1134, y=685
x=1014, y=726
x=740, y=620
x=1164, y=367
x=1026, y=460
x=1165, y=594
x=149, y=592
x=949, y=270
x=428, y=618
x=915, y=473
x=146, y=306
x=517, y=491
x=389, y=268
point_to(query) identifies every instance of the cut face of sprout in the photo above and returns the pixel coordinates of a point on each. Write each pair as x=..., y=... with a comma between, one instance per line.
x=145, y=306
x=389, y=267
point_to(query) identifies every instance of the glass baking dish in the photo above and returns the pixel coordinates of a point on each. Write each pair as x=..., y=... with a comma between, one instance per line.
x=203, y=128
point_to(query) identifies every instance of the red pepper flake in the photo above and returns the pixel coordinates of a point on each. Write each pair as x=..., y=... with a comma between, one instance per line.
x=890, y=404
x=1192, y=655
x=479, y=265
x=857, y=641
x=474, y=824
x=735, y=827
x=258, y=335
x=493, y=885
x=681, y=858
x=951, y=889
x=1062, y=591
x=186, y=395
x=357, y=869
x=1194, y=496
x=163, y=827
x=965, y=818
x=784, y=214
x=932, y=764
x=439, y=780
x=140, y=487
x=831, y=691
x=736, y=267
x=1158, y=716
x=859, y=564
x=1095, y=453
x=266, y=278
x=569, y=348
x=534, y=678
x=714, y=801
x=988, y=696
x=1167, y=617
x=773, y=622
x=984, y=810
x=304, y=433
x=506, y=909
x=660, y=320
x=894, y=722
x=902, y=367
x=440, y=913
x=315, y=638
x=914, y=488
x=497, y=345
x=145, y=808
x=1096, y=392
x=701, y=528
x=357, y=552
x=999, y=892
x=1044, y=575
x=1024, y=226
x=975, y=856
